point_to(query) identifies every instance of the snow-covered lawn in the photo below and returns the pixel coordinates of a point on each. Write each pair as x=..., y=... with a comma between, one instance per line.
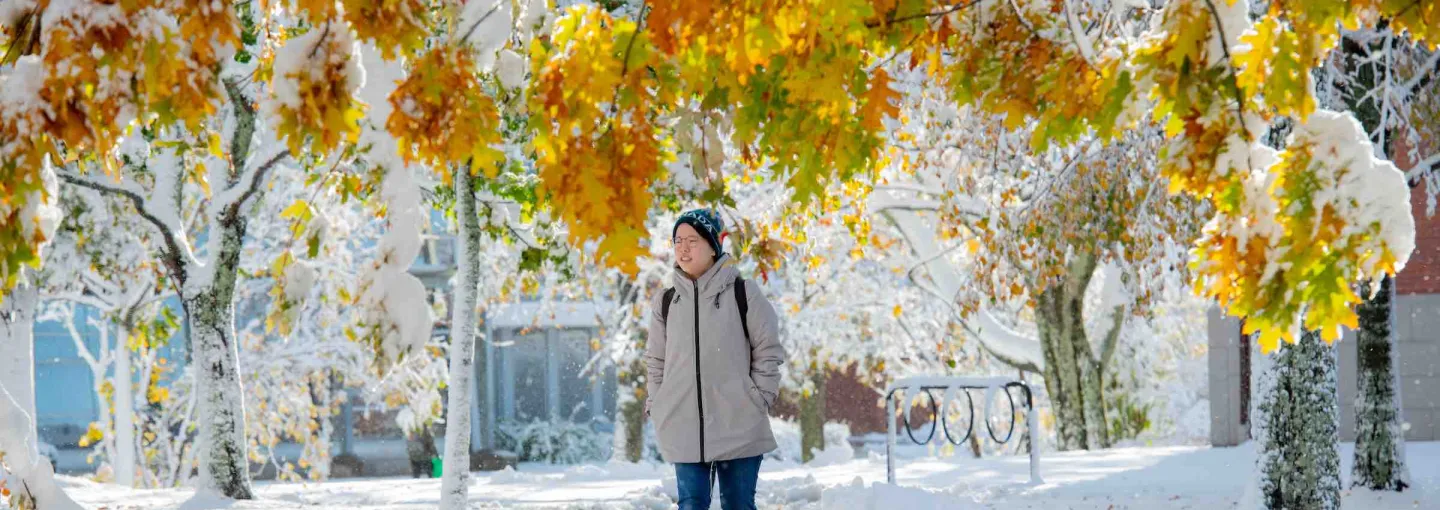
x=1133, y=478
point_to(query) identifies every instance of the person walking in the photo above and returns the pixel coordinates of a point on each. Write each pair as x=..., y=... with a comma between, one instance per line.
x=712, y=361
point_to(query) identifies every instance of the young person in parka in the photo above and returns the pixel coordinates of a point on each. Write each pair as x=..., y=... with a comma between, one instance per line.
x=712, y=360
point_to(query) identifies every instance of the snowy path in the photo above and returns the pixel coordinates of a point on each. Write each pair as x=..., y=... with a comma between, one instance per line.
x=1125, y=478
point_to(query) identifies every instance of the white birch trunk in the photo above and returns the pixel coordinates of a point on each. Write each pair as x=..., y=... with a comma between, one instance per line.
x=619, y=442
x=124, y=412
x=30, y=475
x=455, y=480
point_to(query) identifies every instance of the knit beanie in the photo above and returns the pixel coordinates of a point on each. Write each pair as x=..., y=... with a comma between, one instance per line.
x=708, y=223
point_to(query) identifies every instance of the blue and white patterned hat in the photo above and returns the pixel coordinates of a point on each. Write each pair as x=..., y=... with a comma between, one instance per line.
x=708, y=223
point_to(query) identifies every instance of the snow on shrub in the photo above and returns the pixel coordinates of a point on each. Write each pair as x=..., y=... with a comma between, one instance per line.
x=554, y=441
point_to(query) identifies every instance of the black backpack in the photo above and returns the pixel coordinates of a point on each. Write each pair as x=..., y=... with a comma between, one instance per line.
x=740, y=303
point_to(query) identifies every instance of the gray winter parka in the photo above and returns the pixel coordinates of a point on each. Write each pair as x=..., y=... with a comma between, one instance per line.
x=709, y=389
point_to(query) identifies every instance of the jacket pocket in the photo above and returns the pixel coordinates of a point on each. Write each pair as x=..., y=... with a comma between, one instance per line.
x=756, y=397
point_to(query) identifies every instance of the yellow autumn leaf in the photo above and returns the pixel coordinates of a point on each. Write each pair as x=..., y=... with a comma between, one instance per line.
x=295, y=209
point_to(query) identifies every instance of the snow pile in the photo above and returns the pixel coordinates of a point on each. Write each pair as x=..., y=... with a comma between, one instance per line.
x=1368, y=196
x=586, y=472
x=787, y=439
x=207, y=499
x=319, y=228
x=1132, y=478
x=509, y=475
x=883, y=496
x=790, y=490
x=616, y=469
x=653, y=498
x=834, y=453
x=1258, y=206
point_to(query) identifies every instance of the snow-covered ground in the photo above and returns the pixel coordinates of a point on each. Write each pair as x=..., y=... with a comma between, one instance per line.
x=1123, y=478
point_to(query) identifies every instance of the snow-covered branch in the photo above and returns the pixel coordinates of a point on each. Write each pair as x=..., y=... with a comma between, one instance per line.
x=249, y=183
x=1422, y=167
x=1082, y=39
x=1005, y=344
x=1426, y=70
x=913, y=188
x=178, y=251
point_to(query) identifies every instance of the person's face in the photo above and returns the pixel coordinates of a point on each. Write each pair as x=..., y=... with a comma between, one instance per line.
x=692, y=253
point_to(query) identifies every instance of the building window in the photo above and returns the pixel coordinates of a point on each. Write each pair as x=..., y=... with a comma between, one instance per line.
x=547, y=375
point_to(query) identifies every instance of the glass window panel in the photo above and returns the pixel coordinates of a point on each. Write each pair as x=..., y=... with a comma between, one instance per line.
x=572, y=352
x=64, y=400
x=525, y=359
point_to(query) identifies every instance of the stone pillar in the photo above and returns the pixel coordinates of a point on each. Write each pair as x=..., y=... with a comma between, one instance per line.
x=1226, y=401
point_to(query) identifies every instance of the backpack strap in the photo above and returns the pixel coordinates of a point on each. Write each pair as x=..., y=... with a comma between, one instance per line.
x=743, y=305
x=665, y=303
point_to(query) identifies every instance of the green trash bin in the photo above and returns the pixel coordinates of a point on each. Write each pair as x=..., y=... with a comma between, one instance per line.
x=437, y=466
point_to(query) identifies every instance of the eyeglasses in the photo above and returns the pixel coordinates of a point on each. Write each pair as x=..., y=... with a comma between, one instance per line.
x=688, y=241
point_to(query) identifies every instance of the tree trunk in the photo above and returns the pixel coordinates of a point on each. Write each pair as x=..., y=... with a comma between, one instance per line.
x=17, y=357
x=124, y=412
x=1092, y=396
x=210, y=310
x=455, y=481
x=630, y=429
x=221, y=416
x=1073, y=373
x=482, y=433
x=1379, y=442
x=30, y=479
x=812, y=418
x=1298, y=424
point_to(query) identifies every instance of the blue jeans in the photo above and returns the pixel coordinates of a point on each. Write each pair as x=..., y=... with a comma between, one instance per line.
x=737, y=483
